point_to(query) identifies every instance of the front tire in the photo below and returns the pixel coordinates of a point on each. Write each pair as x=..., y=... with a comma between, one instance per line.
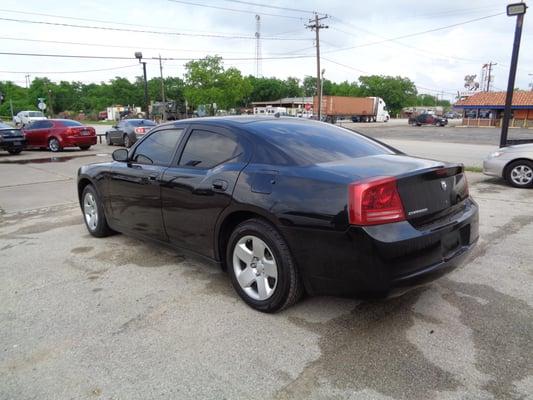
x=14, y=151
x=519, y=174
x=93, y=213
x=261, y=267
x=85, y=147
x=54, y=145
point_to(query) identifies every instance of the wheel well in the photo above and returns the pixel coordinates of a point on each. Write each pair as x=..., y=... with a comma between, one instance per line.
x=505, y=170
x=82, y=184
x=227, y=227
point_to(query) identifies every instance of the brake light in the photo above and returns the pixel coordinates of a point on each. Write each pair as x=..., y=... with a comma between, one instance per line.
x=375, y=202
x=139, y=130
x=70, y=132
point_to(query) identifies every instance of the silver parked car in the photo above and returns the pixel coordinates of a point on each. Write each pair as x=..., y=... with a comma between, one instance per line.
x=513, y=163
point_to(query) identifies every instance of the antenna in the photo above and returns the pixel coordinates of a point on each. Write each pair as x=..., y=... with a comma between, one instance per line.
x=257, y=46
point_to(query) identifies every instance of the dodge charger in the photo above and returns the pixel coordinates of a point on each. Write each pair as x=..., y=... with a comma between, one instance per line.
x=286, y=206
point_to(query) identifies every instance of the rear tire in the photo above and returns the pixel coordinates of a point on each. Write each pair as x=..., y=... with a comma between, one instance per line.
x=261, y=267
x=85, y=147
x=519, y=174
x=14, y=151
x=127, y=141
x=93, y=213
x=54, y=145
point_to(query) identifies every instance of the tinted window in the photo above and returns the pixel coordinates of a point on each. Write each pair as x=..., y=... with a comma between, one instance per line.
x=40, y=124
x=141, y=122
x=69, y=122
x=206, y=149
x=158, y=148
x=313, y=143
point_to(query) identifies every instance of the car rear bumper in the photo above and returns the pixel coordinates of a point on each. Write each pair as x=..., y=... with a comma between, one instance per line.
x=12, y=143
x=75, y=141
x=381, y=260
x=494, y=166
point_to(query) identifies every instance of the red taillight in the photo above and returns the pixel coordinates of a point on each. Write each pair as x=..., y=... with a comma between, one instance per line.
x=70, y=132
x=375, y=202
x=139, y=130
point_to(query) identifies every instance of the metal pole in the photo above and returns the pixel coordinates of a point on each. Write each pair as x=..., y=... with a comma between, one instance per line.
x=318, y=80
x=510, y=84
x=163, y=90
x=146, y=91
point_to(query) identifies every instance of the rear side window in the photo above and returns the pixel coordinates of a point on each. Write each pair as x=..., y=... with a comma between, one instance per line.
x=158, y=148
x=141, y=122
x=206, y=149
x=307, y=144
x=69, y=122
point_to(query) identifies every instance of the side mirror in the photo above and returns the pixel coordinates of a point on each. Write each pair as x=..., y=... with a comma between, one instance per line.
x=120, y=155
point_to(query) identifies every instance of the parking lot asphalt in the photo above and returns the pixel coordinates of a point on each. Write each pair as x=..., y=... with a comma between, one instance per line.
x=119, y=318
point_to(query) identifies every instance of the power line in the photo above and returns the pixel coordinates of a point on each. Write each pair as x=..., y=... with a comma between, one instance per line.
x=250, y=3
x=130, y=47
x=69, y=72
x=416, y=33
x=369, y=73
x=190, y=3
x=133, y=58
x=102, y=21
x=147, y=31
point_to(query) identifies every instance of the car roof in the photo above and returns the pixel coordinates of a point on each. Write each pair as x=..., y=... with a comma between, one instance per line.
x=247, y=121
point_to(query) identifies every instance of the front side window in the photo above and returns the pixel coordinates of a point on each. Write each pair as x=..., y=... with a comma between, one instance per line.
x=206, y=149
x=158, y=148
x=36, y=125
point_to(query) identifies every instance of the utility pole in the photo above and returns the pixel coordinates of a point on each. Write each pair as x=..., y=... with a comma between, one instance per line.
x=163, y=89
x=257, y=46
x=314, y=24
x=489, y=78
x=531, y=83
x=28, y=81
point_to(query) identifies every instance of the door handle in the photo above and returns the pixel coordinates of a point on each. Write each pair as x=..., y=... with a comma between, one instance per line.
x=219, y=184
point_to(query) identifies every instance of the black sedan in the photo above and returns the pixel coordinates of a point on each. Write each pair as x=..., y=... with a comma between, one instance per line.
x=286, y=206
x=11, y=139
x=428, y=119
x=128, y=131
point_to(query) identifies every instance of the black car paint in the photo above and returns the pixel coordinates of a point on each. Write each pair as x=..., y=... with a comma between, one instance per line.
x=308, y=205
x=11, y=139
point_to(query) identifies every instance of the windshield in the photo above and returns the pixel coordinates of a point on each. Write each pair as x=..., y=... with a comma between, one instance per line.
x=35, y=114
x=306, y=144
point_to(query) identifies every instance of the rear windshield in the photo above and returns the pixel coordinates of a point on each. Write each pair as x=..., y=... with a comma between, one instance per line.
x=34, y=114
x=141, y=122
x=69, y=122
x=307, y=144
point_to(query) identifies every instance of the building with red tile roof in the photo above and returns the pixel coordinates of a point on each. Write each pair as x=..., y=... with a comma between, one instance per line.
x=489, y=106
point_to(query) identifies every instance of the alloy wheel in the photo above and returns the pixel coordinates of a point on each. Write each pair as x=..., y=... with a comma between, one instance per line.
x=54, y=145
x=255, y=267
x=90, y=211
x=522, y=175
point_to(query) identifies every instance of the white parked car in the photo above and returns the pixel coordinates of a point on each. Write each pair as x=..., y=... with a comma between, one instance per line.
x=24, y=118
x=513, y=163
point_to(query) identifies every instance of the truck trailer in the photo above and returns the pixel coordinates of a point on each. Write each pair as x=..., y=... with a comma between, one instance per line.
x=358, y=109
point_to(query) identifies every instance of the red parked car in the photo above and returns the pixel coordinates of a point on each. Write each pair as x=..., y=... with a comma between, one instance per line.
x=56, y=134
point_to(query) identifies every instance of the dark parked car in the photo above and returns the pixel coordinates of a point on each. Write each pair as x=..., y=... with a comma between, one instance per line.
x=428, y=119
x=286, y=205
x=56, y=134
x=128, y=131
x=11, y=139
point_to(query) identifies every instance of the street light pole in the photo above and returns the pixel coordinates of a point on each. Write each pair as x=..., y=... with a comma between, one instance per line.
x=139, y=56
x=518, y=10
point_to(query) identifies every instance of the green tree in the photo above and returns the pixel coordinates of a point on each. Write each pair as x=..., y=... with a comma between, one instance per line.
x=397, y=92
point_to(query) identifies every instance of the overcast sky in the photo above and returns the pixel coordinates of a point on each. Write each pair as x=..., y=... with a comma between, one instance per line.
x=436, y=61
